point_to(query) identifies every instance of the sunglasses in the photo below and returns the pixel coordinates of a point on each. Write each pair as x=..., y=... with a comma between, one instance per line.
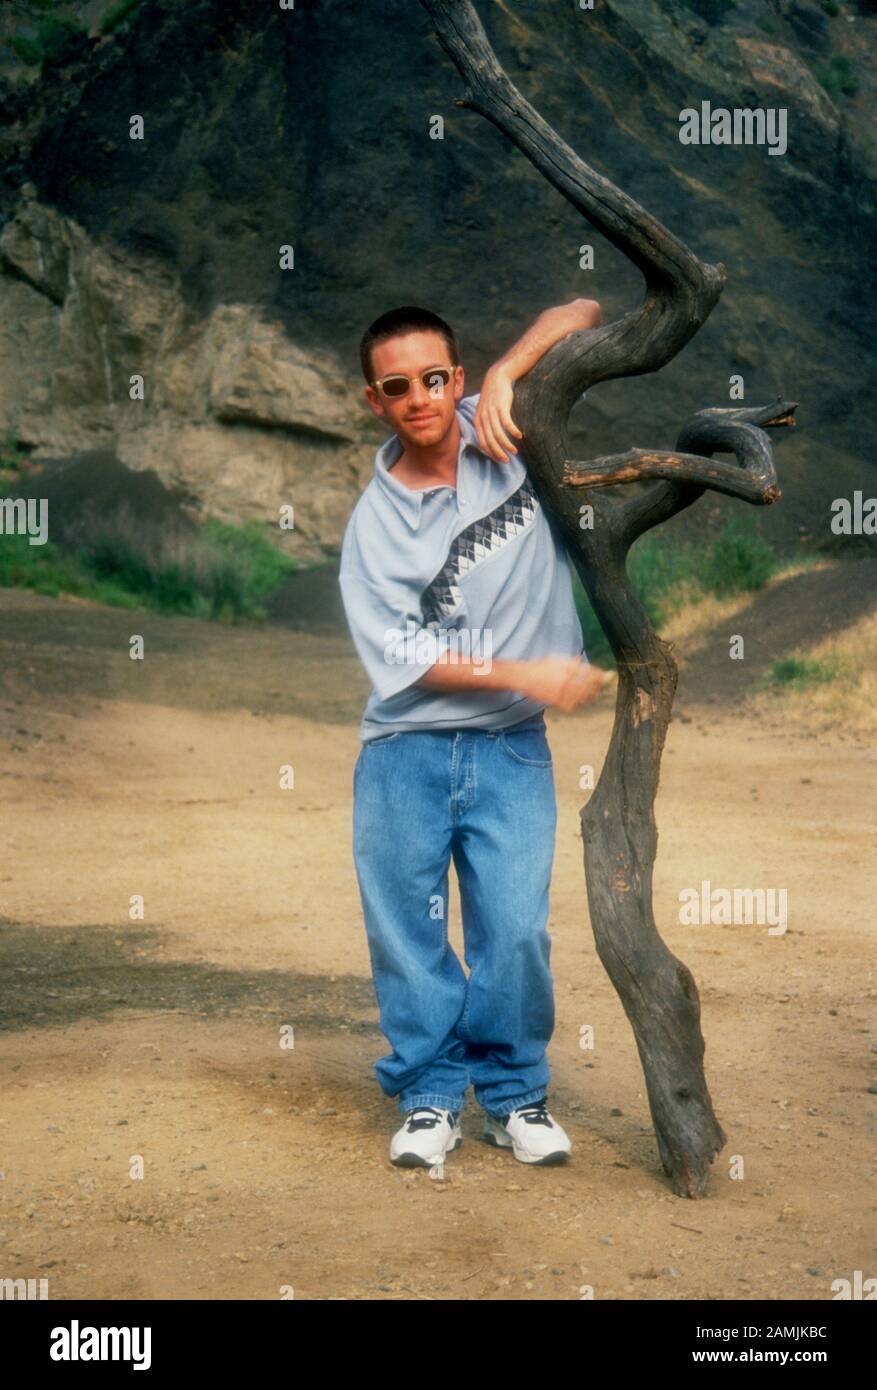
x=398, y=385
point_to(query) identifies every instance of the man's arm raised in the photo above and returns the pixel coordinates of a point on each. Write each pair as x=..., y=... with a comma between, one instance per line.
x=494, y=424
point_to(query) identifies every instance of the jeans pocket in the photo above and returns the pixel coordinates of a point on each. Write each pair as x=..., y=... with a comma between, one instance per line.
x=527, y=746
x=385, y=738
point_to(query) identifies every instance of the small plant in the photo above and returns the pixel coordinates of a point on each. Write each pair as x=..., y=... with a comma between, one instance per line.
x=222, y=572
x=265, y=565
x=797, y=673
x=28, y=50
x=117, y=14
x=849, y=83
x=60, y=38
x=56, y=39
x=47, y=570
x=838, y=78
x=830, y=7
x=12, y=456
x=664, y=577
x=737, y=561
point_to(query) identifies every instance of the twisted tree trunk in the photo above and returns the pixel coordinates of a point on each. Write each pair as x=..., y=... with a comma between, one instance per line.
x=618, y=824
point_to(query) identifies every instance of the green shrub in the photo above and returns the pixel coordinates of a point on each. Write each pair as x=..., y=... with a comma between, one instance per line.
x=800, y=672
x=830, y=7
x=227, y=569
x=597, y=648
x=664, y=575
x=849, y=83
x=838, y=78
x=117, y=14
x=11, y=453
x=47, y=570
x=28, y=50
x=59, y=38
x=737, y=561
x=222, y=572
x=56, y=40
x=266, y=566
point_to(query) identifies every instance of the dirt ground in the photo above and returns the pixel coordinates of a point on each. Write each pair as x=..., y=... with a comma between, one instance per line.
x=265, y=1168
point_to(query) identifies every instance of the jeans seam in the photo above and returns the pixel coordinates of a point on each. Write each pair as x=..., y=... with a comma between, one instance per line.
x=464, y=1017
x=525, y=762
x=446, y=907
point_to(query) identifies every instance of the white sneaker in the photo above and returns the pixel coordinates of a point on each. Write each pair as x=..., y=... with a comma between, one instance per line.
x=426, y=1136
x=530, y=1132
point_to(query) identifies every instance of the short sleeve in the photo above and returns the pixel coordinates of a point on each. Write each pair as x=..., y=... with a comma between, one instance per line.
x=386, y=625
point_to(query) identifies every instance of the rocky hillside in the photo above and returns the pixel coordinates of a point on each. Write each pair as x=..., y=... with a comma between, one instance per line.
x=159, y=258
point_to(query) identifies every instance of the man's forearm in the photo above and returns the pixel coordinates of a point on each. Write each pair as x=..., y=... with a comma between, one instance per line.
x=469, y=675
x=562, y=681
x=495, y=426
x=544, y=332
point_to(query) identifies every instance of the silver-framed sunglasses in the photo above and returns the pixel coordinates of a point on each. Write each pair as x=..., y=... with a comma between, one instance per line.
x=398, y=385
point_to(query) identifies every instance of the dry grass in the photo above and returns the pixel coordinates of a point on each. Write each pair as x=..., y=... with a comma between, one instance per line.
x=849, y=699
x=693, y=622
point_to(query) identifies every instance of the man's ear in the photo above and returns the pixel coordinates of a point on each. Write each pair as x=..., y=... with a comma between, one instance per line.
x=459, y=383
x=375, y=402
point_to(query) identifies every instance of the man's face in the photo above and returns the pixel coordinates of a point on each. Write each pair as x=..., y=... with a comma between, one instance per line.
x=424, y=414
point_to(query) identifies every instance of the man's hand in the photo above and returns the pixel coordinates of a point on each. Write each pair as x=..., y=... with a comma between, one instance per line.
x=494, y=425
x=565, y=682
x=493, y=418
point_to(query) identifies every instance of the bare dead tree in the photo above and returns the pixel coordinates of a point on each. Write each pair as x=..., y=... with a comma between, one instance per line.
x=656, y=989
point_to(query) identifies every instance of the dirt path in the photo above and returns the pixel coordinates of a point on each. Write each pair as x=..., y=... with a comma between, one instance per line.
x=266, y=1167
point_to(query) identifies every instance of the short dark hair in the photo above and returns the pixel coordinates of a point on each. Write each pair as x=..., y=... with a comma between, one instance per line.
x=409, y=319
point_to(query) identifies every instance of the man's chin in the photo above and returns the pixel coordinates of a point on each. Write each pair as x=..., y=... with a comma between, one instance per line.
x=428, y=434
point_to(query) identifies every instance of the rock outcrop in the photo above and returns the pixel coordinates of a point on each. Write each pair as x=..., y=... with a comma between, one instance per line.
x=229, y=411
x=311, y=127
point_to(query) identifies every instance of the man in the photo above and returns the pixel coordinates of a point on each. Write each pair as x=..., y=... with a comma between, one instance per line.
x=447, y=559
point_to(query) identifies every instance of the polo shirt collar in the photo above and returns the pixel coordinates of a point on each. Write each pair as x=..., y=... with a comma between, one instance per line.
x=407, y=501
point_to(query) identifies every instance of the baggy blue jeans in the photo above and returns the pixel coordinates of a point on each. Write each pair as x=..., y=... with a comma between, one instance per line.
x=484, y=797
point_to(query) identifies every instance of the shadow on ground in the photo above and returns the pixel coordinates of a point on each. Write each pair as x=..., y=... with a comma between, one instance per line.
x=61, y=975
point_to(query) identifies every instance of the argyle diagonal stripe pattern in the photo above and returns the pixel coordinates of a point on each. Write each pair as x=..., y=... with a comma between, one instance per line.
x=484, y=537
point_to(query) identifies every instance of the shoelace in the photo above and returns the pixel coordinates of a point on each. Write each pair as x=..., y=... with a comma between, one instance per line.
x=429, y=1120
x=536, y=1114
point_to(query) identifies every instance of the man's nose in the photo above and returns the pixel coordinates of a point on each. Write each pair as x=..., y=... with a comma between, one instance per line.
x=422, y=395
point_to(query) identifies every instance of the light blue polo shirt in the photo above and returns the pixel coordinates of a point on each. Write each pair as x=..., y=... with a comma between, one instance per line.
x=475, y=572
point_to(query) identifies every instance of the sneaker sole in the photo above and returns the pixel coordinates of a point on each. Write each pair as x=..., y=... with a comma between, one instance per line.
x=558, y=1156
x=412, y=1160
